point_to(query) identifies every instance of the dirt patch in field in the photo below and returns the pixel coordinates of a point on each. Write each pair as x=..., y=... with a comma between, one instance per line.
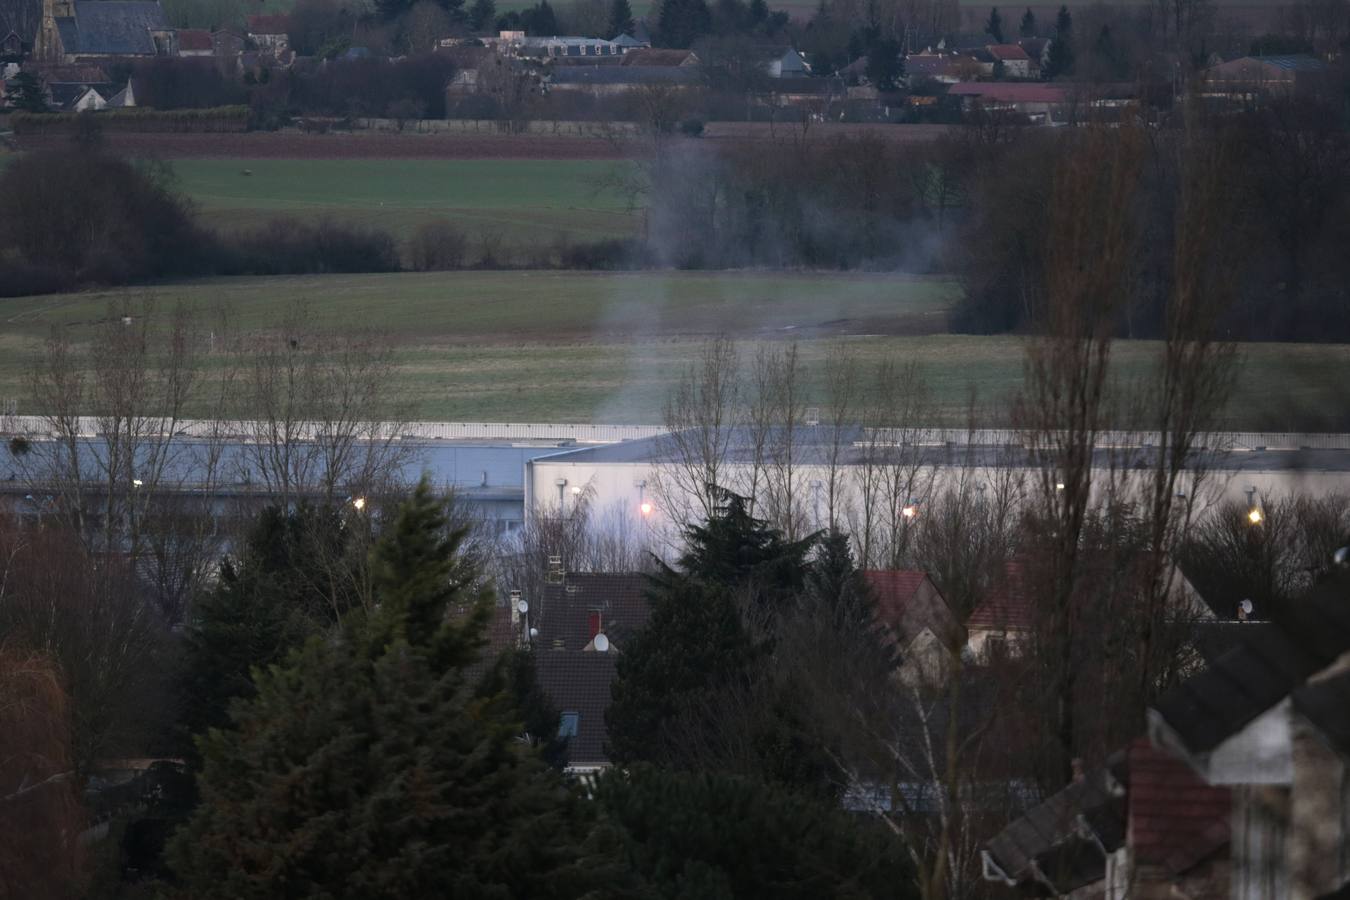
x=362, y=145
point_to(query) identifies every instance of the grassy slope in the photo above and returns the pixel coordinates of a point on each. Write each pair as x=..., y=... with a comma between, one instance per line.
x=532, y=346
x=521, y=200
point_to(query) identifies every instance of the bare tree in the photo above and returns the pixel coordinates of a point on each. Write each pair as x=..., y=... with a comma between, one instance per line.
x=701, y=418
x=842, y=387
x=327, y=421
x=1066, y=404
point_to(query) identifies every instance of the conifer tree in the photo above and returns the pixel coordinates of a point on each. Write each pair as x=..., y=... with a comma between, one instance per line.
x=378, y=763
x=620, y=18
x=994, y=27
x=1028, y=27
x=1060, y=59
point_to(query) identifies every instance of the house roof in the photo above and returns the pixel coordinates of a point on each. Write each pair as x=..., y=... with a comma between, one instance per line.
x=1208, y=709
x=576, y=679
x=579, y=682
x=623, y=74
x=1289, y=63
x=893, y=590
x=1176, y=819
x=648, y=56
x=1326, y=704
x=75, y=75
x=1049, y=839
x=1009, y=92
x=564, y=613
x=269, y=24
x=112, y=27
x=1008, y=605
x=627, y=40
x=1007, y=52
x=194, y=39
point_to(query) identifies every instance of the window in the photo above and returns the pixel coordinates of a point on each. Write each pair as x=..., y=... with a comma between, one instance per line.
x=568, y=726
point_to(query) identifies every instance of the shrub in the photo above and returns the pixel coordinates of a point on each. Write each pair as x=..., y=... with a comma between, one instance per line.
x=289, y=247
x=608, y=254
x=692, y=127
x=437, y=246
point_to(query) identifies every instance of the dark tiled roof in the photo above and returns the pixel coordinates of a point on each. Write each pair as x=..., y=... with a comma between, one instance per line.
x=655, y=57
x=624, y=74
x=113, y=27
x=893, y=589
x=1007, y=52
x=1293, y=63
x=565, y=611
x=578, y=681
x=1326, y=704
x=278, y=24
x=1176, y=820
x=194, y=39
x=1049, y=838
x=575, y=679
x=1008, y=604
x=1309, y=635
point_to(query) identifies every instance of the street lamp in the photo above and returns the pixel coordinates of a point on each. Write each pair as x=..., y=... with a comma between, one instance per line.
x=359, y=503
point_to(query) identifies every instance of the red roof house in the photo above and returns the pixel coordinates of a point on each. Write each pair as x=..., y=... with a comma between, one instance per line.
x=925, y=630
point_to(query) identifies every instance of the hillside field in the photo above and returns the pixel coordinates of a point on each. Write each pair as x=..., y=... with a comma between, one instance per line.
x=519, y=201
x=587, y=347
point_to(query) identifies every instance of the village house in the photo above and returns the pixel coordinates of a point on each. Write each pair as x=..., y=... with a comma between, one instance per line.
x=919, y=623
x=1142, y=827
x=1014, y=60
x=607, y=81
x=12, y=46
x=577, y=629
x=1270, y=721
x=790, y=65
x=663, y=58
x=518, y=44
x=1002, y=623
x=195, y=42
x=270, y=33
x=81, y=31
x=1253, y=78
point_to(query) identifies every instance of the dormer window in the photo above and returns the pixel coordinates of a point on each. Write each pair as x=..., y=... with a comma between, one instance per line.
x=568, y=725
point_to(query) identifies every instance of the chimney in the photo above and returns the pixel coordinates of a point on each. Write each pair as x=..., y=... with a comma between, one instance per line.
x=594, y=624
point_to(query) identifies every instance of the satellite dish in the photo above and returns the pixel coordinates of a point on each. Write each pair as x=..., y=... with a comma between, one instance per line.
x=1247, y=607
x=522, y=606
x=534, y=632
x=601, y=642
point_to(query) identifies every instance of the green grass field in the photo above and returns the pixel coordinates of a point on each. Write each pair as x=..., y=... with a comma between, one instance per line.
x=586, y=347
x=518, y=201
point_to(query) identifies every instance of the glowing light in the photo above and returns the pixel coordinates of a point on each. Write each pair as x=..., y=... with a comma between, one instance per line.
x=910, y=511
x=646, y=509
x=1255, y=516
x=136, y=482
x=359, y=503
x=576, y=489
x=1059, y=486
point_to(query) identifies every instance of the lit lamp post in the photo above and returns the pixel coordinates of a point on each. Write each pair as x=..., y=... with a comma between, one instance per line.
x=1254, y=514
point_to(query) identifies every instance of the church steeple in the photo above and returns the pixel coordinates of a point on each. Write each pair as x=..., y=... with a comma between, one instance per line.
x=49, y=47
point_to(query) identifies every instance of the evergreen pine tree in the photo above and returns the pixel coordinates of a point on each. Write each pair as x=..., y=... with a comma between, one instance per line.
x=376, y=763
x=994, y=27
x=1060, y=59
x=1028, y=27
x=482, y=14
x=682, y=22
x=711, y=631
x=265, y=603
x=620, y=18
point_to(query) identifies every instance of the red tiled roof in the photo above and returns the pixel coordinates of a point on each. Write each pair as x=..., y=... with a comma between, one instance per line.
x=194, y=39
x=1007, y=52
x=656, y=57
x=1009, y=92
x=1008, y=605
x=1176, y=819
x=893, y=589
x=272, y=24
